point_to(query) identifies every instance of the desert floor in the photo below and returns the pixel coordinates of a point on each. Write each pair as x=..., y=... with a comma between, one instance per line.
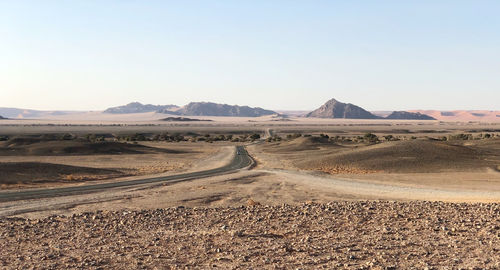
x=336, y=235
x=431, y=203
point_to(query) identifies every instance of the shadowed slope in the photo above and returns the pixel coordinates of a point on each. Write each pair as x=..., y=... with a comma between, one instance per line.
x=408, y=157
x=41, y=147
x=36, y=172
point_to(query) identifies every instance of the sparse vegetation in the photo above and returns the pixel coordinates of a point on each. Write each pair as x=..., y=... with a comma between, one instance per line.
x=293, y=136
x=254, y=136
x=274, y=138
x=371, y=138
x=461, y=136
x=94, y=138
x=390, y=138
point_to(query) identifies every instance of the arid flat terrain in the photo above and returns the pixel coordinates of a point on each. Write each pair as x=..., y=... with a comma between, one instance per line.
x=316, y=159
x=432, y=187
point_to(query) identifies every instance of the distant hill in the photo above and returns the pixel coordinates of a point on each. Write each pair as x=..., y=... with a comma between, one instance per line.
x=402, y=115
x=1, y=117
x=136, y=107
x=336, y=109
x=183, y=119
x=214, y=109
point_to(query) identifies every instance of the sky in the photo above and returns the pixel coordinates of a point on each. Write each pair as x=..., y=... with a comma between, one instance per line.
x=281, y=55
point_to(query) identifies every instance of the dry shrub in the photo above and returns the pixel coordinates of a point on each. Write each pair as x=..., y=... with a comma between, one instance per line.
x=82, y=177
x=342, y=169
x=72, y=177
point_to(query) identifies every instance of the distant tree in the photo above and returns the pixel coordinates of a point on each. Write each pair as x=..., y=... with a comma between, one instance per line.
x=66, y=136
x=90, y=137
x=460, y=136
x=254, y=136
x=391, y=138
x=297, y=135
x=138, y=137
x=274, y=138
x=370, y=137
x=220, y=138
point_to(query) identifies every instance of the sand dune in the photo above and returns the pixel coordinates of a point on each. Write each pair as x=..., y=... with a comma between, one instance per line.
x=462, y=115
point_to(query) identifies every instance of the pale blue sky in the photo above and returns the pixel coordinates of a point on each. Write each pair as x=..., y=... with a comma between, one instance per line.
x=381, y=55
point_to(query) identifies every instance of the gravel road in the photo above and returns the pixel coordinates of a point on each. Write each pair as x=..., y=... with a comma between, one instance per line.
x=350, y=235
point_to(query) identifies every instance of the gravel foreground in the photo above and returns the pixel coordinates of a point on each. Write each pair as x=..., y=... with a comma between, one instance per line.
x=345, y=235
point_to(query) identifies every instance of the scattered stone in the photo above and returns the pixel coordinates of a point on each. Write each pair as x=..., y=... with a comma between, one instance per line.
x=351, y=235
x=251, y=202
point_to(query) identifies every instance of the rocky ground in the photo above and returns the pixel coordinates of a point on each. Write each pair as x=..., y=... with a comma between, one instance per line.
x=350, y=235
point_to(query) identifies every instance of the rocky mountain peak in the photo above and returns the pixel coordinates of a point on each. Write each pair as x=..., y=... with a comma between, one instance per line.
x=336, y=109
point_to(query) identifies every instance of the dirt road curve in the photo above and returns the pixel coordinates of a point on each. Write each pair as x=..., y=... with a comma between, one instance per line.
x=241, y=160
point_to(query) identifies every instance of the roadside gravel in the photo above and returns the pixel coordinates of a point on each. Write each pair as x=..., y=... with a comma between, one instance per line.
x=350, y=235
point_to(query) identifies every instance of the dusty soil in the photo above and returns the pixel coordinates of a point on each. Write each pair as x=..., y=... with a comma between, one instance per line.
x=38, y=147
x=123, y=228
x=20, y=171
x=461, y=165
x=415, y=156
x=345, y=235
x=269, y=187
x=23, y=173
x=409, y=156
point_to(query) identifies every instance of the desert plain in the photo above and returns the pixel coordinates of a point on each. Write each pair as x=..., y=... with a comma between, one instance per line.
x=320, y=193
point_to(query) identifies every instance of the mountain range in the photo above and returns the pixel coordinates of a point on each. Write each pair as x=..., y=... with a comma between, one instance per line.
x=193, y=109
x=214, y=109
x=136, y=107
x=333, y=109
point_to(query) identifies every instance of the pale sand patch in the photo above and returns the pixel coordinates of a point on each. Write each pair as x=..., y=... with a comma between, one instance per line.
x=268, y=187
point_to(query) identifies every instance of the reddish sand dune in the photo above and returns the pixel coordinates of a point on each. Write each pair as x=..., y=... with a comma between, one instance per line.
x=485, y=116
